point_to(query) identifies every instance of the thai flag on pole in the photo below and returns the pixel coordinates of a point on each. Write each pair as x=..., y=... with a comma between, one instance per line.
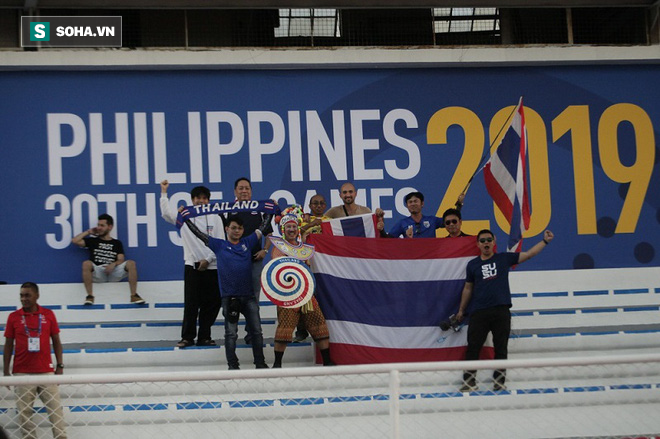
x=506, y=178
x=359, y=225
x=383, y=299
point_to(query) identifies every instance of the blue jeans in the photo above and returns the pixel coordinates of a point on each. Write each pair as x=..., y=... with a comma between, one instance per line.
x=250, y=309
x=257, y=266
x=256, y=288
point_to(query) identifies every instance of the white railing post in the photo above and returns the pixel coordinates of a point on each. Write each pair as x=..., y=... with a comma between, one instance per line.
x=395, y=390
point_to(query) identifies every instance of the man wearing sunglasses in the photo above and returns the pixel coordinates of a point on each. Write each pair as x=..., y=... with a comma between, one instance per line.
x=453, y=223
x=418, y=225
x=487, y=297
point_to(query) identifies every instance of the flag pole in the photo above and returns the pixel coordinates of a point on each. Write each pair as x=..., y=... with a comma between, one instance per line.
x=481, y=161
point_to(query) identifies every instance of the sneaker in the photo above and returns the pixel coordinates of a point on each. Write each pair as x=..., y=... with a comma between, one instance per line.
x=468, y=387
x=234, y=367
x=184, y=343
x=498, y=387
x=277, y=365
x=89, y=300
x=261, y=366
x=208, y=342
x=137, y=300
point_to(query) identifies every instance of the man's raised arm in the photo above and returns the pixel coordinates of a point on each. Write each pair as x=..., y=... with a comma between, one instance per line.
x=547, y=237
x=198, y=233
x=79, y=239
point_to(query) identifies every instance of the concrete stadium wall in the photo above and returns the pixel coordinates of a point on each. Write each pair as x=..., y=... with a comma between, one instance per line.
x=79, y=59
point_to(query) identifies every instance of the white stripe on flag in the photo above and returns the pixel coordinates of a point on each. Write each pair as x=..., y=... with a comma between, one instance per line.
x=369, y=228
x=421, y=337
x=516, y=122
x=502, y=176
x=386, y=270
x=337, y=229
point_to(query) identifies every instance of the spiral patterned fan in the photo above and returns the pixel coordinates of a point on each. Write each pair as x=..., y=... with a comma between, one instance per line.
x=287, y=282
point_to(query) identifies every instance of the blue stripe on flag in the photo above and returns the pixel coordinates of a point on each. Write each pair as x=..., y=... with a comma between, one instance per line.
x=353, y=226
x=508, y=152
x=515, y=233
x=395, y=304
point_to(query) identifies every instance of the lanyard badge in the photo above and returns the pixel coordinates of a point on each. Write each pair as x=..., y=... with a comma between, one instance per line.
x=34, y=343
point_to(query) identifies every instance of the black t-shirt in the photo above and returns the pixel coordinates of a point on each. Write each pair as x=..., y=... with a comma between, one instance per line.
x=103, y=252
x=491, y=280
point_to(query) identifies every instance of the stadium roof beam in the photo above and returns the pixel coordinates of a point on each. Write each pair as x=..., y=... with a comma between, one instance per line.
x=277, y=4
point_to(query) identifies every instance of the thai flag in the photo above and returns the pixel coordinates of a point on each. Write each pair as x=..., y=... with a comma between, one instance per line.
x=182, y=217
x=383, y=299
x=359, y=225
x=506, y=178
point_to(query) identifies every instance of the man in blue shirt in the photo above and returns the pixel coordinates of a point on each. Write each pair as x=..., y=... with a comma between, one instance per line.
x=251, y=222
x=417, y=225
x=234, y=257
x=487, y=296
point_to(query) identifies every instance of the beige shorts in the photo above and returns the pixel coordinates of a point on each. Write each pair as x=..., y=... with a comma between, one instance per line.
x=99, y=275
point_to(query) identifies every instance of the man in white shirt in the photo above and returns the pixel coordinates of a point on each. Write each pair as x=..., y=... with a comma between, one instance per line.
x=200, y=278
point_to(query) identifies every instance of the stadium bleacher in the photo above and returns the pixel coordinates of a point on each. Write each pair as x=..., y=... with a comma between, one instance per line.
x=556, y=314
x=559, y=313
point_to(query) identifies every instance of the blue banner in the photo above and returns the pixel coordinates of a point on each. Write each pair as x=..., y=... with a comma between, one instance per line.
x=77, y=144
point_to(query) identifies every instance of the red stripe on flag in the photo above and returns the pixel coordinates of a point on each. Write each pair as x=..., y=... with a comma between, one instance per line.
x=354, y=354
x=420, y=248
x=497, y=193
x=523, y=158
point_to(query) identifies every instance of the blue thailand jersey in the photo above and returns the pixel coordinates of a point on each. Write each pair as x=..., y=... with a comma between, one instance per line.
x=424, y=229
x=234, y=265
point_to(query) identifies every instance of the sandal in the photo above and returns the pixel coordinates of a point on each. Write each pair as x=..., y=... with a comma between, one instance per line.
x=184, y=343
x=208, y=342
